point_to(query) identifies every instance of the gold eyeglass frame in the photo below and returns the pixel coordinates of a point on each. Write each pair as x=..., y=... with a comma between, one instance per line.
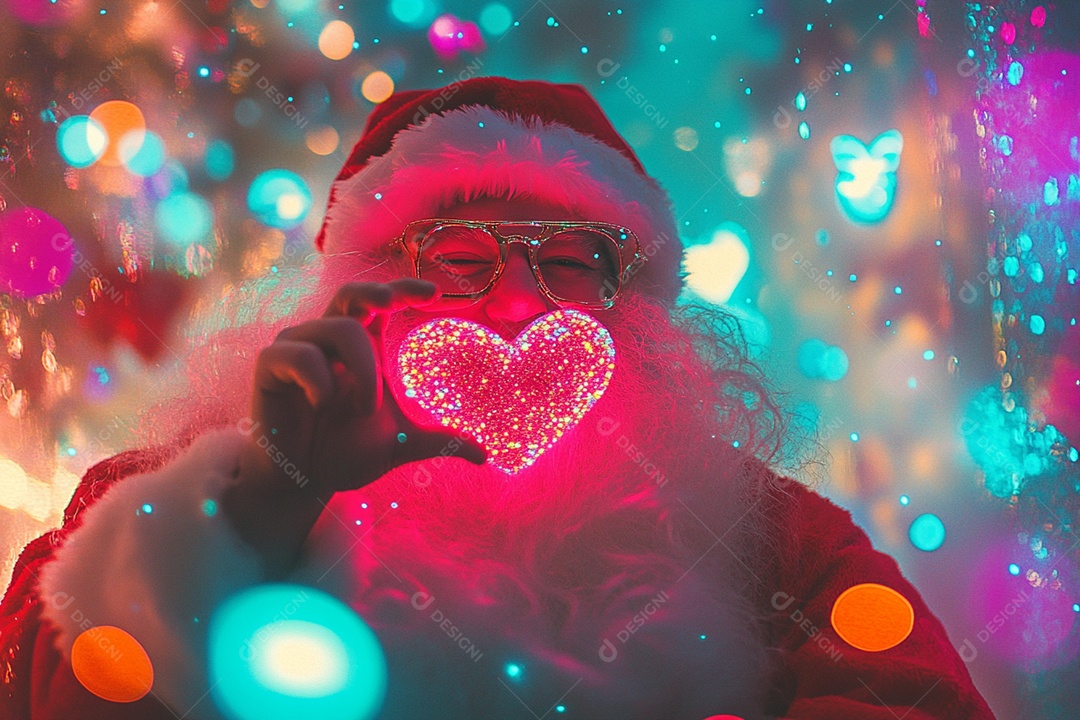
x=618, y=234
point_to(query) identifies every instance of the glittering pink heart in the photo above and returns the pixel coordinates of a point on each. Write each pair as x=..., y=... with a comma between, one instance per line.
x=515, y=398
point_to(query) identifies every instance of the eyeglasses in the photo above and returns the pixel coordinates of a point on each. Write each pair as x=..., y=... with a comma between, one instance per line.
x=581, y=263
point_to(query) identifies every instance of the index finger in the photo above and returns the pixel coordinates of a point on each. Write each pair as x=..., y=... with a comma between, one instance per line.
x=364, y=300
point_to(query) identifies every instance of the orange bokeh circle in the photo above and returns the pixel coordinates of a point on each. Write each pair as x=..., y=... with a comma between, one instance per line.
x=119, y=118
x=872, y=617
x=112, y=664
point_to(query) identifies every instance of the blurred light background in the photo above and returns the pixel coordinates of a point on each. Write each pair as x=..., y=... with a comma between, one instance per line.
x=885, y=193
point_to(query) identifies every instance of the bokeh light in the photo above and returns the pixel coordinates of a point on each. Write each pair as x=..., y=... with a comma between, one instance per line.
x=1015, y=73
x=81, y=141
x=143, y=154
x=377, y=87
x=819, y=360
x=183, y=218
x=322, y=140
x=111, y=664
x=1005, y=444
x=279, y=198
x=41, y=499
x=98, y=385
x=119, y=118
x=14, y=484
x=280, y=651
x=296, y=7
x=716, y=268
x=686, y=138
x=747, y=161
x=496, y=18
x=301, y=658
x=172, y=178
x=247, y=112
x=36, y=252
x=866, y=174
x=43, y=13
x=1020, y=616
x=448, y=36
x=679, y=97
x=1037, y=324
x=220, y=160
x=336, y=40
x=872, y=617
x=927, y=532
x=414, y=13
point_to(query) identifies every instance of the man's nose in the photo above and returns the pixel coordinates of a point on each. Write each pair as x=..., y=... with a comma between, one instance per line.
x=516, y=297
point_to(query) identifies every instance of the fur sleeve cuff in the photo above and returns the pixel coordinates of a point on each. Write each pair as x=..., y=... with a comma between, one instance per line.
x=154, y=556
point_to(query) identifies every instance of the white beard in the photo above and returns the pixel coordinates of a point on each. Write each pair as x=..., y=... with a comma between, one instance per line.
x=551, y=568
x=662, y=670
x=452, y=626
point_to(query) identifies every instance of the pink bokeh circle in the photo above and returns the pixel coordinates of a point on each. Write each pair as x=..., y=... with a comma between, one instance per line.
x=42, y=13
x=36, y=252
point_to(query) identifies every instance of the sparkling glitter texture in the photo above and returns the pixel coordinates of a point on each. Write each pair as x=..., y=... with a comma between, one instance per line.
x=1021, y=430
x=517, y=399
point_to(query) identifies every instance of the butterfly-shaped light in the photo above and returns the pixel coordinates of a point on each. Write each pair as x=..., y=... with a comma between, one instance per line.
x=866, y=177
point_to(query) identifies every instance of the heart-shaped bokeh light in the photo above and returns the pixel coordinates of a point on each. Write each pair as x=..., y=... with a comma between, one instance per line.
x=515, y=398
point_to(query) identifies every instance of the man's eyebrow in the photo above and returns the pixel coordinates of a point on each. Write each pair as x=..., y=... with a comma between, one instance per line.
x=592, y=236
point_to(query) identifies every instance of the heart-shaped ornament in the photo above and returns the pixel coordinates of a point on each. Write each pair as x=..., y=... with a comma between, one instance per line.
x=515, y=398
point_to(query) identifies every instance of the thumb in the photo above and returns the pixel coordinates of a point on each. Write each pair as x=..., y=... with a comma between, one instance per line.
x=427, y=442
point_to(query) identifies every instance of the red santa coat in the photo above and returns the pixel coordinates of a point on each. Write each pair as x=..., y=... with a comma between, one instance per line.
x=823, y=554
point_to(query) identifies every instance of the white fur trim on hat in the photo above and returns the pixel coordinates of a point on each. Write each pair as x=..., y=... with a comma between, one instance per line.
x=475, y=152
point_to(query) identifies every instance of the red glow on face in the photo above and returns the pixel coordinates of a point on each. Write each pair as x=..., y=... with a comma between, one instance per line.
x=516, y=398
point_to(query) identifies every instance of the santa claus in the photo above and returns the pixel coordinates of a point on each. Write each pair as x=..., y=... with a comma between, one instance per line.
x=489, y=431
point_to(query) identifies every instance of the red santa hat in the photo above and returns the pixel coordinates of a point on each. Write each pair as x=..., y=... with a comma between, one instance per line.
x=425, y=150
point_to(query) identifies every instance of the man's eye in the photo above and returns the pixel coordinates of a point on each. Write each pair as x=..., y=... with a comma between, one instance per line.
x=568, y=262
x=463, y=265
x=463, y=261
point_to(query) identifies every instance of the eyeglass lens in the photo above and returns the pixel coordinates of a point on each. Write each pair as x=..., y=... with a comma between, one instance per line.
x=577, y=264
